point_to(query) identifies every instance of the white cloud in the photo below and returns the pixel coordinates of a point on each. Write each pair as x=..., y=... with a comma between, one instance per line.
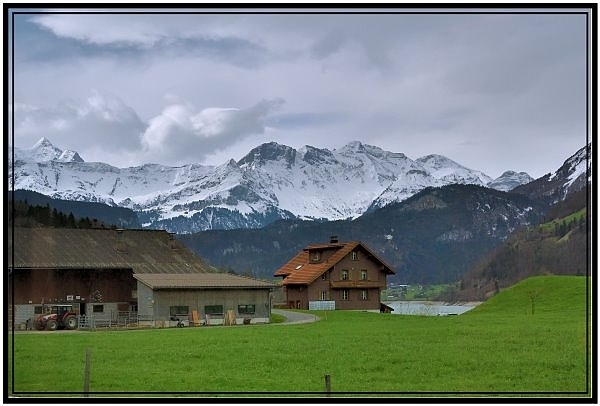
x=76, y=124
x=180, y=134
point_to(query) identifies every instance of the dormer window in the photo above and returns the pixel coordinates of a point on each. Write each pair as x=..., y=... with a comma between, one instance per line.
x=315, y=256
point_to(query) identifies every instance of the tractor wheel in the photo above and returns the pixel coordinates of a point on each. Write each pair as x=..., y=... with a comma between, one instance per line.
x=39, y=325
x=51, y=325
x=71, y=323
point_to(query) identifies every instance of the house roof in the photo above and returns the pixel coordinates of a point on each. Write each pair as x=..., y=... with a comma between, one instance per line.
x=299, y=270
x=143, y=251
x=201, y=280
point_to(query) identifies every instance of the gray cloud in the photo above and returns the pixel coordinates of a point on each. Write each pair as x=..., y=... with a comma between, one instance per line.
x=102, y=118
x=469, y=86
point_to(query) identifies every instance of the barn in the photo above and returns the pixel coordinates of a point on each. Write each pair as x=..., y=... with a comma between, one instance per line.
x=99, y=273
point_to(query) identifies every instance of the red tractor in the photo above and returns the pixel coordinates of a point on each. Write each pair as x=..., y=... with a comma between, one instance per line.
x=57, y=316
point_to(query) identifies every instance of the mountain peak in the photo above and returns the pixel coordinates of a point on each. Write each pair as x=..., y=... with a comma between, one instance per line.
x=43, y=143
x=510, y=180
x=70, y=156
x=43, y=150
x=270, y=151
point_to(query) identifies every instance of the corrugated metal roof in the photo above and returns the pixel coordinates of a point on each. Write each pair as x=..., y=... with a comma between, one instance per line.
x=201, y=280
x=299, y=270
x=143, y=251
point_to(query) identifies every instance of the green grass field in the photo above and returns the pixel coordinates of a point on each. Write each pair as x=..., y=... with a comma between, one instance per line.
x=497, y=349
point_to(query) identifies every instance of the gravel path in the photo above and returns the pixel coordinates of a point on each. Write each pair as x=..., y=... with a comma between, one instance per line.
x=295, y=317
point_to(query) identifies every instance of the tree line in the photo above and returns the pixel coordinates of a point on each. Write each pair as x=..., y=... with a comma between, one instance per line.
x=22, y=214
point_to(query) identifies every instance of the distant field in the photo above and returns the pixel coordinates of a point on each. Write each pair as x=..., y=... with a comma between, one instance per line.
x=497, y=349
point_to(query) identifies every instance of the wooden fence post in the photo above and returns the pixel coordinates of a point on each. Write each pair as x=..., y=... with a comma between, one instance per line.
x=328, y=384
x=86, y=372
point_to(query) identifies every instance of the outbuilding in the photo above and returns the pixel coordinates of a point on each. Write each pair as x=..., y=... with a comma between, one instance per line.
x=203, y=299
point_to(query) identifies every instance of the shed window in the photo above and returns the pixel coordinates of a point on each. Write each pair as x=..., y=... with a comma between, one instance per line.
x=214, y=309
x=98, y=308
x=246, y=309
x=179, y=310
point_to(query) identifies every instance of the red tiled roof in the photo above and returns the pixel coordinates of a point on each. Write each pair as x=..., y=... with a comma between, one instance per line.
x=299, y=270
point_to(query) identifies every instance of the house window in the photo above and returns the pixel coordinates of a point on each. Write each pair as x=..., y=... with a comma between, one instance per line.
x=323, y=295
x=315, y=256
x=179, y=310
x=355, y=255
x=213, y=309
x=345, y=294
x=364, y=295
x=363, y=275
x=246, y=309
x=345, y=275
x=324, y=276
x=98, y=308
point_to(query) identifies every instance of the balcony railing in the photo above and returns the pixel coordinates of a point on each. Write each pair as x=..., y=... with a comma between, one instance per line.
x=350, y=284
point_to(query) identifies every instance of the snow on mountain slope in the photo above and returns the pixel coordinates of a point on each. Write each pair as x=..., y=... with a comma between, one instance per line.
x=272, y=181
x=510, y=180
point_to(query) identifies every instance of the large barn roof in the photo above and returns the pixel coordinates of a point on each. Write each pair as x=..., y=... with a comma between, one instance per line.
x=201, y=280
x=143, y=251
x=300, y=270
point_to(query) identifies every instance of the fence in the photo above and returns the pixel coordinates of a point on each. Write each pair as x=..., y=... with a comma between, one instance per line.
x=115, y=320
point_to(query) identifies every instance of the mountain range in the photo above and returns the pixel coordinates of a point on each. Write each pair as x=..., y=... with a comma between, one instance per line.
x=452, y=220
x=272, y=182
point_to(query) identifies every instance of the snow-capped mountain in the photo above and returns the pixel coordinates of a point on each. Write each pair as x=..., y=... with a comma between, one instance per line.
x=573, y=176
x=510, y=180
x=271, y=182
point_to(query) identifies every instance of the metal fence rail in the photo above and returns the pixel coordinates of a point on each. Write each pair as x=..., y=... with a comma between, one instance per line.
x=115, y=320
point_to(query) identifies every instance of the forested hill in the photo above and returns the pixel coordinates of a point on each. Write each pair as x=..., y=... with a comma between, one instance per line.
x=559, y=246
x=35, y=209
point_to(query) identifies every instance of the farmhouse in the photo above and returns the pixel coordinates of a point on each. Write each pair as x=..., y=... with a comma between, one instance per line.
x=340, y=275
x=110, y=274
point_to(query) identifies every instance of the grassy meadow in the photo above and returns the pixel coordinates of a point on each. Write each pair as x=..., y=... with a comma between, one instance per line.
x=498, y=349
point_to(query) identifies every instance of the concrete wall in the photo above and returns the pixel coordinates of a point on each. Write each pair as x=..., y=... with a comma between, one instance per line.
x=156, y=304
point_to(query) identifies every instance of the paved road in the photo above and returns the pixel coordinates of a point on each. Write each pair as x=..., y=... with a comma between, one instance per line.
x=295, y=317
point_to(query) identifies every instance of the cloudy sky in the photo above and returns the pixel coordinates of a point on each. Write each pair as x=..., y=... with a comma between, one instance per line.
x=493, y=91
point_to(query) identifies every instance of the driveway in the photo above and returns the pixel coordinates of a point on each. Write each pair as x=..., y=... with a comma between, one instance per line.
x=295, y=317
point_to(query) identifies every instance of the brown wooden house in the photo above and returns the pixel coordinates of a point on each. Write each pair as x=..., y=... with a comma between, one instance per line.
x=338, y=275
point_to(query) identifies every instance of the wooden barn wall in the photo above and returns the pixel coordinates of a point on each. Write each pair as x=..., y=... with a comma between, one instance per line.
x=53, y=285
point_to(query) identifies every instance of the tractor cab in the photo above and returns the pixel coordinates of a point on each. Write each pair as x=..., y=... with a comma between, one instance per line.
x=59, y=310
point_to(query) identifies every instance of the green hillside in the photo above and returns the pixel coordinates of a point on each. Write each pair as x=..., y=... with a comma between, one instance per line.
x=555, y=296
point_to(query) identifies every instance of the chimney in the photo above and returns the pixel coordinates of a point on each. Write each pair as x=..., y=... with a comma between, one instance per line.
x=333, y=239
